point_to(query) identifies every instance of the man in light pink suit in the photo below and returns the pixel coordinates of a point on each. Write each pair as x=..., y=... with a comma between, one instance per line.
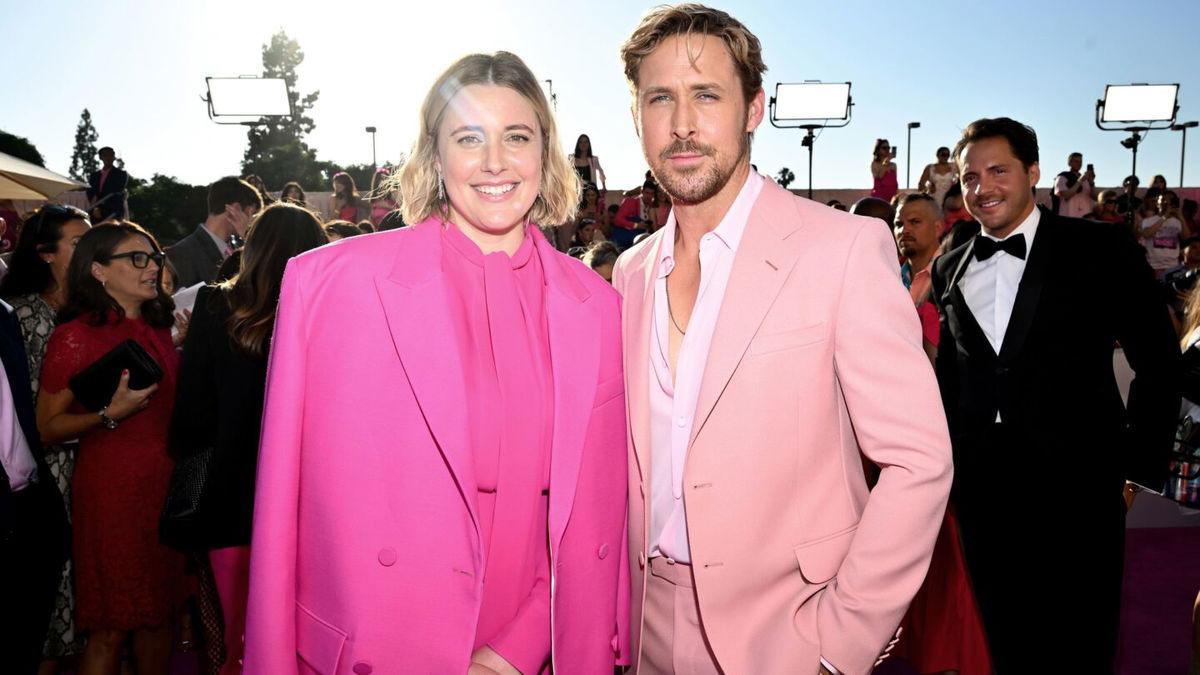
x=769, y=346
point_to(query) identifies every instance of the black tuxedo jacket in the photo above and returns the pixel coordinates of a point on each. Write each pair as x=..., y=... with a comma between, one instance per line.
x=114, y=188
x=16, y=369
x=1086, y=287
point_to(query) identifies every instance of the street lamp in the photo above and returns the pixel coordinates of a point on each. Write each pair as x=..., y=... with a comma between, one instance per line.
x=371, y=130
x=908, y=156
x=1183, y=126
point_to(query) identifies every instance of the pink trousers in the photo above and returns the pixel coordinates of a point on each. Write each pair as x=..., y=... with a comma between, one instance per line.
x=231, y=571
x=673, y=641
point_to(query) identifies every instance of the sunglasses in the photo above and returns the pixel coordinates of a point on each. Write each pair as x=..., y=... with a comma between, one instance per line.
x=140, y=259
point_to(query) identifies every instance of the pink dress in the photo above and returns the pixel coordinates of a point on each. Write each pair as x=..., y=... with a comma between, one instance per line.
x=498, y=305
x=885, y=188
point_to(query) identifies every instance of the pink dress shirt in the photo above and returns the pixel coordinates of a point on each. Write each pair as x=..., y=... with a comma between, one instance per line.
x=673, y=404
x=15, y=455
x=498, y=305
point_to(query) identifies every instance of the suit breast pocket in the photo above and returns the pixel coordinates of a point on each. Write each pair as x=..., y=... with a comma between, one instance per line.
x=318, y=643
x=788, y=339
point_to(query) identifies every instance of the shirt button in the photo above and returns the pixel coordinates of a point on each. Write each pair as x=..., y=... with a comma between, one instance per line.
x=387, y=558
x=362, y=668
x=682, y=421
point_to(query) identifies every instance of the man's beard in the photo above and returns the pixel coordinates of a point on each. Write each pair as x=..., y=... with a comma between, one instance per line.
x=698, y=184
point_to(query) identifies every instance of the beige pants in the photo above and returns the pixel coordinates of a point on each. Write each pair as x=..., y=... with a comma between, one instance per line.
x=673, y=641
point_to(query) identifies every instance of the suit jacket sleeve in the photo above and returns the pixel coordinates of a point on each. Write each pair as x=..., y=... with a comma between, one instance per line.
x=194, y=420
x=271, y=611
x=892, y=399
x=1144, y=330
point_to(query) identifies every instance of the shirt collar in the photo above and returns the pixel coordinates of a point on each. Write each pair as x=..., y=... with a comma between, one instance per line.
x=222, y=245
x=1028, y=227
x=729, y=231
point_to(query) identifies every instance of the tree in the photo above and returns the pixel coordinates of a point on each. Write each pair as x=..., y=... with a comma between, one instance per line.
x=20, y=148
x=83, y=158
x=167, y=208
x=277, y=152
x=785, y=177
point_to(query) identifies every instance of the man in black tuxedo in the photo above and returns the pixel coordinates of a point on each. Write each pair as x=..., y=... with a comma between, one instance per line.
x=1031, y=309
x=106, y=190
x=34, y=535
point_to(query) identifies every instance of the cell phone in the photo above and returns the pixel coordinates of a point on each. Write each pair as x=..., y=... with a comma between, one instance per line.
x=1091, y=168
x=895, y=151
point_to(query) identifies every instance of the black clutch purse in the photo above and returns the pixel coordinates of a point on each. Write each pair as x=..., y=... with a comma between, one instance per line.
x=95, y=385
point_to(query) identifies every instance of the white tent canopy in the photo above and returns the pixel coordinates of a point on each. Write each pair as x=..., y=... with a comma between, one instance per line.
x=24, y=180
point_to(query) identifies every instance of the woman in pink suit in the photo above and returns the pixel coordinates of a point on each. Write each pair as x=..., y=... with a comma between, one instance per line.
x=441, y=478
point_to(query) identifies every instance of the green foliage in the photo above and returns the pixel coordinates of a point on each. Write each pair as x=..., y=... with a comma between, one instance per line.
x=20, y=148
x=277, y=152
x=83, y=158
x=166, y=207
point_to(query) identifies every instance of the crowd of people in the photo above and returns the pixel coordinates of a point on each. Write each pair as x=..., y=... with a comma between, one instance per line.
x=451, y=446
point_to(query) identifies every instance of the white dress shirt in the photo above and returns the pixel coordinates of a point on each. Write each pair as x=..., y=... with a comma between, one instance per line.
x=990, y=286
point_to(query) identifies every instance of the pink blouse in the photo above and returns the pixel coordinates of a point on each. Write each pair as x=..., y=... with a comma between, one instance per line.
x=497, y=303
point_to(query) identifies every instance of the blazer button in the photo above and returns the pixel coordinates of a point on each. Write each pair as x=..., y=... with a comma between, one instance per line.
x=603, y=552
x=387, y=558
x=362, y=668
x=641, y=560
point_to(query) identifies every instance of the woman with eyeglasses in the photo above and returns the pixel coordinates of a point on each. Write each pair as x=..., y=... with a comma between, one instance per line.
x=36, y=287
x=125, y=580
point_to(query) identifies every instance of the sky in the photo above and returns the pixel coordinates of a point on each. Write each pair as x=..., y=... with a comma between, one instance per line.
x=140, y=68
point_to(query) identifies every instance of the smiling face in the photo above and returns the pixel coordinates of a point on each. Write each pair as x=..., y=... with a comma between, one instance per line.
x=124, y=282
x=490, y=158
x=692, y=117
x=996, y=186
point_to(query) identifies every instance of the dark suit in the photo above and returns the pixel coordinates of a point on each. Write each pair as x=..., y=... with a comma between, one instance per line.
x=196, y=258
x=34, y=535
x=1039, y=496
x=110, y=198
x=219, y=404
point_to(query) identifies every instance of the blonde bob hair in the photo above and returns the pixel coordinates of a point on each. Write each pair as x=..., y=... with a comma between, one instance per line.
x=418, y=179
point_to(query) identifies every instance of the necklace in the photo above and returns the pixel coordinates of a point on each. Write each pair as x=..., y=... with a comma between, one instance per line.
x=671, y=313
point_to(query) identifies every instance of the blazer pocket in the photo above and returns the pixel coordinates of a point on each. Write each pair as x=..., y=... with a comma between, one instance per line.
x=821, y=558
x=609, y=389
x=318, y=643
x=788, y=339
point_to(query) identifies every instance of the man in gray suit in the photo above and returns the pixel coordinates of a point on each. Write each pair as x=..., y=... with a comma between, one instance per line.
x=232, y=204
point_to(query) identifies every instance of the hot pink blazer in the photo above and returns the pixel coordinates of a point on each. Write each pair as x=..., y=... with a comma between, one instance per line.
x=816, y=360
x=366, y=555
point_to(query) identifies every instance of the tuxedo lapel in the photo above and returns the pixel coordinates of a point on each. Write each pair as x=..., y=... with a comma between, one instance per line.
x=765, y=257
x=414, y=298
x=575, y=364
x=1029, y=291
x=967, y=332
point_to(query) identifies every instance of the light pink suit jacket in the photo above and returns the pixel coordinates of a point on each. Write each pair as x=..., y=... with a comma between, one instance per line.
x=816, y=358
x=366, y=555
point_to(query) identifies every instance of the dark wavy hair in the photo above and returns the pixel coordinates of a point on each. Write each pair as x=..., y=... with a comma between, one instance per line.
x=87, y=297
x=1021, y=138
x=41, y=233
x=282, y=232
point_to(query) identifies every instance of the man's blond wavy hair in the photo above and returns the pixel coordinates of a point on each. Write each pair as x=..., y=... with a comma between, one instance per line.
x=418, y=179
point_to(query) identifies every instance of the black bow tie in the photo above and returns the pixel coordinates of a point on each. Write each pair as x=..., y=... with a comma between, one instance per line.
x=986, y=247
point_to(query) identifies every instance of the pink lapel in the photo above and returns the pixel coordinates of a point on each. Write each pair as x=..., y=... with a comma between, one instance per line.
x=764, y=260
x=637, y=320
x=415, y=302
x=575, y=364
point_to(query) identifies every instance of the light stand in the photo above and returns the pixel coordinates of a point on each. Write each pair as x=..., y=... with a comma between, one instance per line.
x=247, y=96
x=808, y=102
x=908, y=156
x=1183, y=146
x=1141, y=105
x=371, y=130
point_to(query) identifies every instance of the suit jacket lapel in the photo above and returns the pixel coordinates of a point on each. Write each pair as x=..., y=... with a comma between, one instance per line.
x=967, y=332
x=575, y=365
x=639, y=322
x=414, y=298
x=1029, y=291
x=764, y=260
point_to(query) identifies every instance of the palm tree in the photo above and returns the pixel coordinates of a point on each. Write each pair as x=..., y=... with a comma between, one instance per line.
x=785, y=177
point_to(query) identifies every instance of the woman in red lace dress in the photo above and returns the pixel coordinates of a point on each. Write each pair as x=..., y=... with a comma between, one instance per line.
x=126, y=581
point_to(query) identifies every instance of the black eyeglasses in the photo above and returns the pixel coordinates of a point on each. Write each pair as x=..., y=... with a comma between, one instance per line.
x=140, y=259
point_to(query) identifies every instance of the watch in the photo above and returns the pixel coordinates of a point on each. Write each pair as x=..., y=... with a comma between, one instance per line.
x=108, y=422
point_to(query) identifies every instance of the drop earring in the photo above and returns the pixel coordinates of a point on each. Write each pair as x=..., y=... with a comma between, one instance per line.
x=441, y=188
